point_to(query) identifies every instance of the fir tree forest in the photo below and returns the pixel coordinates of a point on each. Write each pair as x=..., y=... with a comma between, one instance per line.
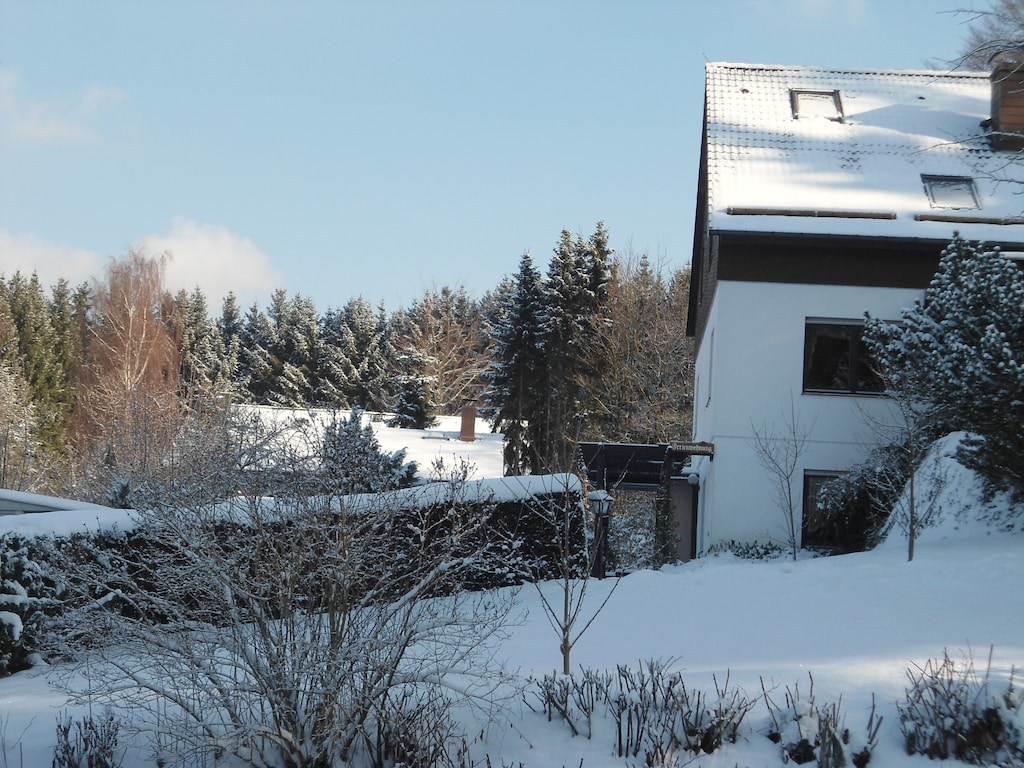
x=110, y=377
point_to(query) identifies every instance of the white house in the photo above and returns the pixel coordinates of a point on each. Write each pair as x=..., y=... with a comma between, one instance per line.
x=824, y=194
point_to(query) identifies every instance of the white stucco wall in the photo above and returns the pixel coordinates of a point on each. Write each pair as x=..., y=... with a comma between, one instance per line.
x=749, y=366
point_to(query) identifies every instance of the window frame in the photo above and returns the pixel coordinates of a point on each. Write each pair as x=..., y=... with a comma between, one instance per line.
x=819, y=94
x=861, y=379
x=933, y=183
x=809, y=510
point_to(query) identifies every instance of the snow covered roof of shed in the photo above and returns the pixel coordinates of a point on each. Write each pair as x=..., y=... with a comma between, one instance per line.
x=810, y=150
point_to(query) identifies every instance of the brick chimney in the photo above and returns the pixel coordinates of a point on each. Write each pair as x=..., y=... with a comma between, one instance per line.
x=1007, y=80
x=468, y=433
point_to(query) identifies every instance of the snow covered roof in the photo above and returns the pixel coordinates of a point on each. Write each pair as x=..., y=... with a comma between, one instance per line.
x=18, y=502
x=808, y=150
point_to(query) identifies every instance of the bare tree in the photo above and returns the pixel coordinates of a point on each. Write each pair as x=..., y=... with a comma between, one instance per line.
x=128, y=410
x=568, y=611
x=991, y=30
x=779, y=451
x=445, y=329
x=298, y=631
x=641, y=392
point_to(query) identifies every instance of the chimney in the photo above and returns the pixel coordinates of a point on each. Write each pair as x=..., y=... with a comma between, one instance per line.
x=1007, y=80
x=468, y=433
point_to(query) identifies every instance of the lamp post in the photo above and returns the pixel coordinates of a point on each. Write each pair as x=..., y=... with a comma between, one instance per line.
x=601, y=503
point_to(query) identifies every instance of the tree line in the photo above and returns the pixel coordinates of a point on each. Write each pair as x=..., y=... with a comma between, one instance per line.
x=106, y=374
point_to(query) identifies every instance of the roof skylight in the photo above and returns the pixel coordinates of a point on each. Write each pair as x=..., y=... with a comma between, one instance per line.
x=954, y=192
x=808, y=103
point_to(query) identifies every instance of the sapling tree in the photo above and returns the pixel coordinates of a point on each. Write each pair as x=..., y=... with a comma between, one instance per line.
x=566, y=606
x=779, y=450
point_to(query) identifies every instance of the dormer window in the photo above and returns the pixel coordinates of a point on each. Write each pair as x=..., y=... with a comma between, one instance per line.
x=954, y=192
x=807, y=103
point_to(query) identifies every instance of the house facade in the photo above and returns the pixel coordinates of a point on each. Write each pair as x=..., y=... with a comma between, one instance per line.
x=824, y=194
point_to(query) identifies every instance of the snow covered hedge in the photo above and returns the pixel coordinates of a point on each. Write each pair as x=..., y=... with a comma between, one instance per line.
x=519, y=541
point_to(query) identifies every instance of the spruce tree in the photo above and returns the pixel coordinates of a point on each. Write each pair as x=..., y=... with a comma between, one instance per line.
x=414, y=407
x=355, y=463
x=37, y=353
x=576, y=292
x=515, y=378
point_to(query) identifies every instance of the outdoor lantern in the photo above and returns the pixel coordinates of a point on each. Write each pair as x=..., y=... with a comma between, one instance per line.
x=601, y=503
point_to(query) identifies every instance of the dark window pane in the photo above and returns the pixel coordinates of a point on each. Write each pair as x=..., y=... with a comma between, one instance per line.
x=868, y=379
x=817, y=532
x=827, y=357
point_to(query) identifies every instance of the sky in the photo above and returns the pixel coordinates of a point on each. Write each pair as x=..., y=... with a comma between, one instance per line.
x=383, y=149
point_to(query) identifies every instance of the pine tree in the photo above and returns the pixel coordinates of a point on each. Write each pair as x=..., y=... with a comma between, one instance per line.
x=958, y=355
x=369, y=348
x=200, y=345
x=229, y=328
x=68, y=317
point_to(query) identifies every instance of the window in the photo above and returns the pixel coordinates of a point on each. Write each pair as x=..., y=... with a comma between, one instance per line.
x=806, y=103
x=837, y=360
x=817, y=531
x=950, y=191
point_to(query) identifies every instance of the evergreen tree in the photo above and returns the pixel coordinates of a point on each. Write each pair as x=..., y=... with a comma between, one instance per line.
x=958, y=356
x=576, y=292
x=414, y=408
x=37, y=353
x=514, y=393
x=355, y=463
x=257, y=338
x=200, y=346
x=369, y=348
x=69, y=317
x=229, y=327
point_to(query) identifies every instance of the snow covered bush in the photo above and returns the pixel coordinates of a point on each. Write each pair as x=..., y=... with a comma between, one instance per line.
x=87, y=743
x=952, y=712
x=652, y=711
x=27, y=593
x=958, y=357
x=299, y=631
x=853, y=507
x=809, y=731
x=353, y=461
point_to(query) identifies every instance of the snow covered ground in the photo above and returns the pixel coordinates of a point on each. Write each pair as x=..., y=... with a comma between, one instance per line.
x=855, y=623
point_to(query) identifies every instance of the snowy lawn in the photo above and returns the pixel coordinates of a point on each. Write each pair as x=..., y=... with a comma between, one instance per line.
x=856, y=623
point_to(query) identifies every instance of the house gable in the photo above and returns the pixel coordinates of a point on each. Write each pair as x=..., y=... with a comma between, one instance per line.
x=843, y=195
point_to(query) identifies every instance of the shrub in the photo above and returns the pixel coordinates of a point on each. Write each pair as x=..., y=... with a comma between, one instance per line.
x=652, y=710
x=952, y=712
x=808, y=731
x=853, y=507
x=27, y=593
x=87, y=743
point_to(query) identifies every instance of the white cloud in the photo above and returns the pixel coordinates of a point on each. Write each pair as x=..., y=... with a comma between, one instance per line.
x=51, y=261
x=67, y=120
x=217, y=260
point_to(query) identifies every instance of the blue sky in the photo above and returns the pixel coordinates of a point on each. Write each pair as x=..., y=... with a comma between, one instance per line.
x=338, y=149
